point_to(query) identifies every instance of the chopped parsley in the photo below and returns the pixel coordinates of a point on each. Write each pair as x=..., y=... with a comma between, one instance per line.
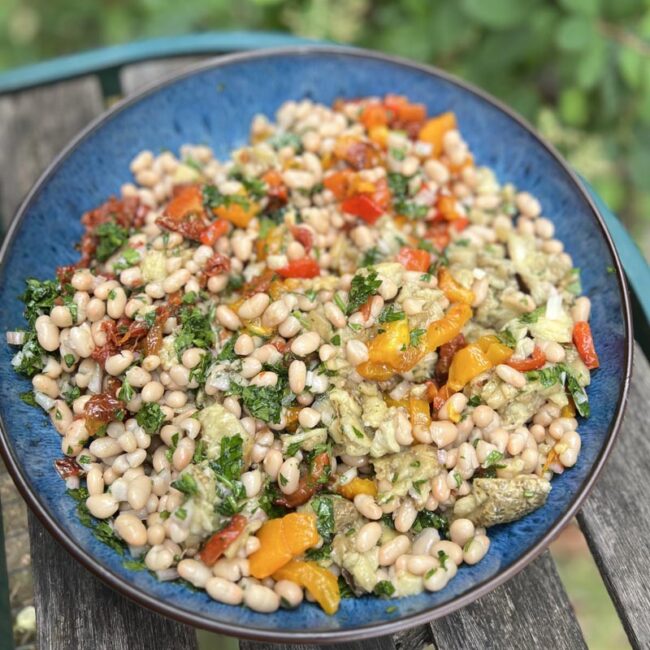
x=322, y=553
x=384, y=589
x=443, y=557
x=390, y=313
x=281, y=140
x=324, y=509
x=362, y=287
x=428, y=519
x=227, y=352
x=358, y=433
x=267, y=502
x=506, y=338
x=227, y=469
x=39, y=298
x=344, y=588
x=110, y=237
x=150, y=417
x=196, y=330
x=336, y=339
x=254, y=186
x=71, y=394
x=31, y=358
x=474, y=401
x=129, y=258
x=28, y=398
x=186, y=484
x=533, y=316
x=126, y=392
x=201, y=371
x=415, y=336
x=493, y=458
x=371, y=257
x=213, y=198
x=338, y=301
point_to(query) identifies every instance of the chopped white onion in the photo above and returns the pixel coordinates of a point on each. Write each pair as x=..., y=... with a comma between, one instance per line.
x=95, y=383
x=45, y=402
x=72, y=482
x=554, y=309
x=166, y=575
x=15, y=338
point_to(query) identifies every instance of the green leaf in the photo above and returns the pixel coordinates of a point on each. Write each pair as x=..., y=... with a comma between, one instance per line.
x=497, y=14
x=574, y=107
x=590, y=66
x=630, y=65
x=575, y=33
x=588, y=8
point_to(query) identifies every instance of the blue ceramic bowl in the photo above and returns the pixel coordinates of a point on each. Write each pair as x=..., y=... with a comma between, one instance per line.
x=214, y=104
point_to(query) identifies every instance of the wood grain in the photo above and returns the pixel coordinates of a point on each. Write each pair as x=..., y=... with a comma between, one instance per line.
x=75, y=611
x=531, y=610
x=34, y=126
x=380, y=643
x=134, y=77
x=616, y=517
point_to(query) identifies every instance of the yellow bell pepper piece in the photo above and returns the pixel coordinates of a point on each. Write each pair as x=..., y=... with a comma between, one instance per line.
x=468, y=362
x=319, y=582
x=448, y=327
x=280, y=541
x=495, y=352
x=358, y=486
x=434, y=129
x=452, y=289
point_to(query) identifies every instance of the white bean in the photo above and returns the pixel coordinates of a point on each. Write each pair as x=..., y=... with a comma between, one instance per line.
x=511, y=376
x=254, y=306
x=391, y=550
x=131, y=529
x=194, y=572
x=305, y=344
x=224, y=591
x=47, y=333
x=261, y=599
x=367, y=506
x=290, y=593
x=102, y=506
x=368, y=536
x=289, y=475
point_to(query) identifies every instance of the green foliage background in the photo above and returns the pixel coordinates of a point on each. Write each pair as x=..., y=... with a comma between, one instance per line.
x=578, y=69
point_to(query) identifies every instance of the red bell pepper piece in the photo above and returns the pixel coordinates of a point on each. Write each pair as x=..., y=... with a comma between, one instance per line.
x=584, y=343
x=215, y=230
x=303, y=236
x=216, y=546
x=414, y=259
x=534, y=362
x=362, y=206
x=307, y=267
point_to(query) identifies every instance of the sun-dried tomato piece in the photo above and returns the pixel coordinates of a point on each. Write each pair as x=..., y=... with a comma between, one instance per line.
x=100, y=410
x=127, y=213
x=64, y=273
x=303, y=236
x=445, y=355
x=67, y=468
x=154, y=339
x=259, y=284
x=216, y=265
x=309, y=484
x=190, y=228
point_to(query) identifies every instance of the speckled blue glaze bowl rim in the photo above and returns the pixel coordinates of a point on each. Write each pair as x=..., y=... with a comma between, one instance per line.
x=389, y=626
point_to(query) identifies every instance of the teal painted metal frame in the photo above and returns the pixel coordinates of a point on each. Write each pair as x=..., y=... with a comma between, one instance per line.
x=107, y=62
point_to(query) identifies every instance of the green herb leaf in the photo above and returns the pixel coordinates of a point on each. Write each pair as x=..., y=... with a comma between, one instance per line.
x=110, y=237
x=362, y=287
x=324, y=509
x=391, y=313
x=126, y=392
x=196, y=330
x=186, y=484
x=150, y=417
x=384, y=589
x=415, y=336
x=533, y=316
x=428, y=519
x=28, y=398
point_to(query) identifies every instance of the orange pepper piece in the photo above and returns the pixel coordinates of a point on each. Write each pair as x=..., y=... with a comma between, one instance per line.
x=434, y=131
x=373, y=115
x=495, y=352
x=273, y=552
x=375, y=371
x=186, y=202
x=321, y=584
x=419, y=412
x=469, y=362
x=448, y=327
x=452, y=289
x=280, y=541
x=446, y=206
x=386, y=347
x=356, y=486
x=339, y=183
x=237, y=214
x=300, y=531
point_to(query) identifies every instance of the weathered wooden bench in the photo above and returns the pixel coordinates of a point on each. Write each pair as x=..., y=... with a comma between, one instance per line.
x=76, y=611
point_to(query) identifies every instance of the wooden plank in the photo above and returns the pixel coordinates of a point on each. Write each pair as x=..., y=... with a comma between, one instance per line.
x=380, y=643
x=531, y=610
x=134, y=77
x=34, y=126
x=75, y=610
x=616, y=517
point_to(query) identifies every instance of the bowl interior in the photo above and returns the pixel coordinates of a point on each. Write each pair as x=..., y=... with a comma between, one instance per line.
x=214, y=105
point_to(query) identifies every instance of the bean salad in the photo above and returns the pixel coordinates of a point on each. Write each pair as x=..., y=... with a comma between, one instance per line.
x=320, y=369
